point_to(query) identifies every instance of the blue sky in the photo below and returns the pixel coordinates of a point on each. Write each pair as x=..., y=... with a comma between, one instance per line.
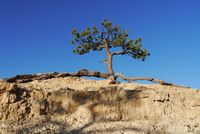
x=35, y=36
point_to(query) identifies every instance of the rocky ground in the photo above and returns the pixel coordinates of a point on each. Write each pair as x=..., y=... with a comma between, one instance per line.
x=77, y=105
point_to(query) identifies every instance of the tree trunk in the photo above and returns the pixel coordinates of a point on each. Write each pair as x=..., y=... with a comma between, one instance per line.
x=109, y=64
x=109, y=60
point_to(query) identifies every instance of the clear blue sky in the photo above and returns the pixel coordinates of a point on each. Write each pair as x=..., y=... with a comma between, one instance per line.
x=35, y=36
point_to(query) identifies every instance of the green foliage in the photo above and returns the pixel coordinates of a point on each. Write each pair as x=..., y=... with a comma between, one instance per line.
x=92, y=39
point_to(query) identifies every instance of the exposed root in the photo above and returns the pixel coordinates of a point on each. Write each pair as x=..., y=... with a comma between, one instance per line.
x=84, y=72
x=119, y=75
x=32, y=77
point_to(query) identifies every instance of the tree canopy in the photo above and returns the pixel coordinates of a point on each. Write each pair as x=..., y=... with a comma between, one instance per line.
x=110, y=36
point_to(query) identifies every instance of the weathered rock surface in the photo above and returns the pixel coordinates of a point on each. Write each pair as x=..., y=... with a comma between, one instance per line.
x=76, y=105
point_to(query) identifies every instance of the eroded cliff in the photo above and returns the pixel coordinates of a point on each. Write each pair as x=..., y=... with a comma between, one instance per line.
x=77, y=105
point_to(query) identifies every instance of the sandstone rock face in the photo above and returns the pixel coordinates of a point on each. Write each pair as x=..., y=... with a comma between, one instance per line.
x=76, y=105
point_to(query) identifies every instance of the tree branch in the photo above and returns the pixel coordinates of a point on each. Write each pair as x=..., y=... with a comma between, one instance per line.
x=99, y=47
x=118, y=53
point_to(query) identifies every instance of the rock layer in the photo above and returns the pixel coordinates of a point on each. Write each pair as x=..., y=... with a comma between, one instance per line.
x=76, y=105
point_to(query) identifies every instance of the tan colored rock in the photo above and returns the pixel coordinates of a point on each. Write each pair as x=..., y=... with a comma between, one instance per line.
x=12, y=98
x=76, y=105
x=5, y=86
x=5, y=98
